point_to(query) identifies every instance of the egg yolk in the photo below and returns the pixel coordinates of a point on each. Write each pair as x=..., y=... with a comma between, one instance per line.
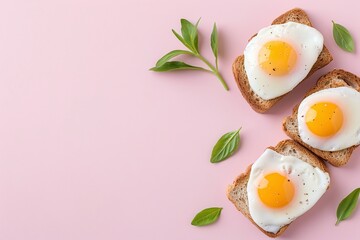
x=324, y=119
x=276, y=190
x=277, y=58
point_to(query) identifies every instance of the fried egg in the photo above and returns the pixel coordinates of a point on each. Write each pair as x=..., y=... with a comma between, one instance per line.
x=329, y=119
x=281, y=188
x=280, y=56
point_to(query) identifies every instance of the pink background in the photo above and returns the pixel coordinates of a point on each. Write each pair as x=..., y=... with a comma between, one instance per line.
x=95, y=146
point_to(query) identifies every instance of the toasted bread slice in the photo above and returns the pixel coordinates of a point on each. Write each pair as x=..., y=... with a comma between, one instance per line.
x=256, y=102
x=237, y=192
x=333, y=79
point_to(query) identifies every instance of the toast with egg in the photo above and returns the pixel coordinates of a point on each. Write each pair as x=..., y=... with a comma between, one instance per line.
x=237, y=192
x=255, y=101
x=333, y=79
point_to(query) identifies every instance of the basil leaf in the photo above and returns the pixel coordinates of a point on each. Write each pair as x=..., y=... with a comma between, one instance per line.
x=181, y=39
x=343, y=37
x=206, y=216
x=225, y=146
x=190, y=34
x=174, y=65
x=347, y=206
x=214, y=42
x=170, y=55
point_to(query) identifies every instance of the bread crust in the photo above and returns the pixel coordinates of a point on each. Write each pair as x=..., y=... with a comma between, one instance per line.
x=256, y=102
x=335, y=78
x=237, y=193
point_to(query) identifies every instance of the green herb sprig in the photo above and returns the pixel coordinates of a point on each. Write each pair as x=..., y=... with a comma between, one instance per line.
x=190, y=39
x=343, y=37
x=206, y=216
x=347, y=206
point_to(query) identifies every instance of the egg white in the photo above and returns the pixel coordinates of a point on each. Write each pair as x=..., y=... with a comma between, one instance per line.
x=307, y=42
x=348, y=100
x=310, y=184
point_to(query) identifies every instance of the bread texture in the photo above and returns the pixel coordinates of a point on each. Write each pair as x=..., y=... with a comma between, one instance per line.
x=237, y=192
x=256, y=102
x=333, y=79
